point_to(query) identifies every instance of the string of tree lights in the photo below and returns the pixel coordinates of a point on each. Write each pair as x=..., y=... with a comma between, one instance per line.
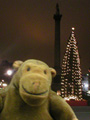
x=71, y=87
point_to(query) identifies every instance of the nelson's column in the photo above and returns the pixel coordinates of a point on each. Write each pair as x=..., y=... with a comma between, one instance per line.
x=56, y=81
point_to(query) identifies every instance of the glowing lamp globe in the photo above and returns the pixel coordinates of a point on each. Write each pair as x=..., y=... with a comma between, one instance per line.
x=86, y=85
x=9, y=72
x=73, y=28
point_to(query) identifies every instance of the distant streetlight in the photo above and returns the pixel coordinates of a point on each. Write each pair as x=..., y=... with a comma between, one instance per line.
x=9, y=72
x=73, y=28
x=86, y=85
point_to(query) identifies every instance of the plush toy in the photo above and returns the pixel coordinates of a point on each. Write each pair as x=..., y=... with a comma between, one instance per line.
x=29, y=95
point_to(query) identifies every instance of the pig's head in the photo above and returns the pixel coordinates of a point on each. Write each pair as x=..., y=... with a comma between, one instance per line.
x=33, y=80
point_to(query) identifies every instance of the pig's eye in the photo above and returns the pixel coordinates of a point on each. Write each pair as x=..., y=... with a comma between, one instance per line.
x=45, y=72
x=28, y=69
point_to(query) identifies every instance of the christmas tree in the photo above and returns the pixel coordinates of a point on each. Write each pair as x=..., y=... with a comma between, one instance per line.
x=71, y=77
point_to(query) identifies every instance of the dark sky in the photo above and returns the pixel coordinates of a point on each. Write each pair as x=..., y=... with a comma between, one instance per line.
x=27, y=29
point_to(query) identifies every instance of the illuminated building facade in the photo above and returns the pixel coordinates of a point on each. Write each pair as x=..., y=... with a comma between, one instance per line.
x=71, y=87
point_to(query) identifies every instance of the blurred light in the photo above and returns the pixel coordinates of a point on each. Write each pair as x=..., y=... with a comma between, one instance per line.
x=58, y=92
x=66, y=98
x=87, y=74
x=9, y=72
x=86, y=85
x=89, y=70
x=2, y=80
x=0, y=83
x=88, y=92
x=4, y=84
x=73, y=28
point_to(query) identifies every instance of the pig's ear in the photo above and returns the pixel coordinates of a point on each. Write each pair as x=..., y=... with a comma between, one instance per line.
x=17, y=64
x=53, y=72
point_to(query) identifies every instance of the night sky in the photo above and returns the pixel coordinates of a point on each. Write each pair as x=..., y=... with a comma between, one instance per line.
x=27, y=29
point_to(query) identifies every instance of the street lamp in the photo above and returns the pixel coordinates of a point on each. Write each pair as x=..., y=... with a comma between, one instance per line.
x=9, y=72
x=86, y=85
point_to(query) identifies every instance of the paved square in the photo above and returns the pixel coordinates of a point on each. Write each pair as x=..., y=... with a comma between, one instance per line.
x=82, y=112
